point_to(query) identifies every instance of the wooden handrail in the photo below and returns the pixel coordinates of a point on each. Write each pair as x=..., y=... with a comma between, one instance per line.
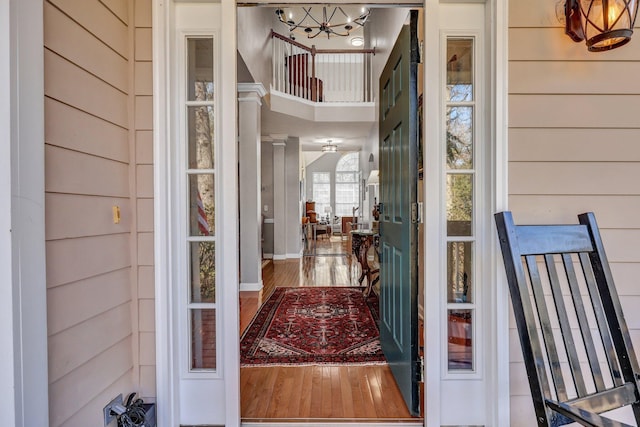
x=288, y=40
x=313, y=49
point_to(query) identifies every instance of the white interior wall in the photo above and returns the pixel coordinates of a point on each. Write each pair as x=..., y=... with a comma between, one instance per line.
x=254, y=42
x=382, y=36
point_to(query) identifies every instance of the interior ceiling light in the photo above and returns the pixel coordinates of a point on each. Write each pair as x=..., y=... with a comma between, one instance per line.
x=604, y=24
x=329, y=147
x=334, y=21
x=357, y=42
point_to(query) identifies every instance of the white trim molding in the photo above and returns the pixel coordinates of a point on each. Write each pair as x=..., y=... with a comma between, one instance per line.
x=256, y=88
x=229, y=219
x=251, y=286
x=167, y=394
x=499, y=326
x=24, y=381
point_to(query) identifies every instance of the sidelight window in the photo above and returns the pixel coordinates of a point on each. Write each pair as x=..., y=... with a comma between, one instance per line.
x=460, y=145
x=199, y=178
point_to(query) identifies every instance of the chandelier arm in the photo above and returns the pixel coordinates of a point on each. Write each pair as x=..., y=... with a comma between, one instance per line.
x=332, y=15
x=308, y=13
x=339, y=34
x=322, y=27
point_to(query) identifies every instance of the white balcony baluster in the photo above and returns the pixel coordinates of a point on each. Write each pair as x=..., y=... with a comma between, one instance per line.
x=338, y=75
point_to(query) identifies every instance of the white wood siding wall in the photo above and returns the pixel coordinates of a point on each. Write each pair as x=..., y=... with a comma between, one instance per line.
x=98, y=155
x=573, y=147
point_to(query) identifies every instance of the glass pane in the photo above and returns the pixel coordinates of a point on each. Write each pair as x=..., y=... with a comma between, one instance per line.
x=348, y=162
x=346, y=177
x=200, y=69
x=203, y=272
x=459, y=343
x=321, y=177
x=201, y=205
x=459, y=70
x=203, y=339
x=459, y=272
x=459, y=204
x=201, y=137
x=460, y=137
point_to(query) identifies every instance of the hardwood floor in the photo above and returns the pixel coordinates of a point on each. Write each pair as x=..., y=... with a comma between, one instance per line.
x=359, y=393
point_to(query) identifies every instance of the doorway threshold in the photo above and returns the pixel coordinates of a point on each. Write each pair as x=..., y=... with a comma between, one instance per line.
x=315, y=422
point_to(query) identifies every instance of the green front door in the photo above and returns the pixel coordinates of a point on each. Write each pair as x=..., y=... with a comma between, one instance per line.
x=398, y=219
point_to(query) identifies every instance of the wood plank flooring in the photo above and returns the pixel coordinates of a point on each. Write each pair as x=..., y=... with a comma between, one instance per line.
x=307, y=393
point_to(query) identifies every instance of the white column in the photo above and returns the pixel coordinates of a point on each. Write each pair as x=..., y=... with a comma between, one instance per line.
x=23, y=309
x=292, y=199
x=249, y=102
x=279, y=198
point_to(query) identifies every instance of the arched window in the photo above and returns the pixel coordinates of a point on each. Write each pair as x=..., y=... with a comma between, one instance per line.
x=347, y=188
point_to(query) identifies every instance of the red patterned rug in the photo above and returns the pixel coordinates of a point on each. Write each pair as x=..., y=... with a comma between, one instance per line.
x=323, y=325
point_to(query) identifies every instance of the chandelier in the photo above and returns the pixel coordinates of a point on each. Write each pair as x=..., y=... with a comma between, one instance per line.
x=330, y=148
x=334, y=21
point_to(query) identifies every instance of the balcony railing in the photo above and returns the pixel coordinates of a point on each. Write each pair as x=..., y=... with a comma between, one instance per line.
x=322, y=75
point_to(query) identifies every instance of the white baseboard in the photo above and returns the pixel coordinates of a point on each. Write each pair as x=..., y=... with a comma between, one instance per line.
x=251, y=286
x=279, y=257
x=267, y=256
x=292, y=256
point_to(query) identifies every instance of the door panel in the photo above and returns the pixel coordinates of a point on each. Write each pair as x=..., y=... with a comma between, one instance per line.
x=398, y=225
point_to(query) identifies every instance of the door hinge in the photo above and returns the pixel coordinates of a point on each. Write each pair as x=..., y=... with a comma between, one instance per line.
x=414, y=213
x=420, y=369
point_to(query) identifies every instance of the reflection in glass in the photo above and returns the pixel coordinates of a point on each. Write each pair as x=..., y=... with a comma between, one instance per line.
x=201, y=137
x=459, y=342
x=203, y=272
x=200, y=69
x=201, y=205
x=459, y=204
x=459, y=272
x=203, y=339
x=459, y=70
x=460, y=137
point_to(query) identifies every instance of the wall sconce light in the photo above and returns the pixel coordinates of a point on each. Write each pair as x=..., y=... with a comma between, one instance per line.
x=604, y=24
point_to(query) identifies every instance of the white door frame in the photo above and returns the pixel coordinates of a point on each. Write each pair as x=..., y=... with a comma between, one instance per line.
x=167, y=373
x=495, y=369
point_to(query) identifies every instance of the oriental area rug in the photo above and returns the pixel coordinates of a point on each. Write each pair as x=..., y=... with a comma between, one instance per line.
x=310, y=326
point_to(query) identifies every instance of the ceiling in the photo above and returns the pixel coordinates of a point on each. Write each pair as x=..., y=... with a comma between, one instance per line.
x=321, y=41
x=349, y=136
